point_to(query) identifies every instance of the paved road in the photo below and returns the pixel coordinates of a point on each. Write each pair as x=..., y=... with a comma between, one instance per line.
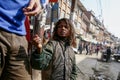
x=89, y=64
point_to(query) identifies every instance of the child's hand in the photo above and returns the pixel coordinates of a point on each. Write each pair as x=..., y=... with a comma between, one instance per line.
x=37, y=41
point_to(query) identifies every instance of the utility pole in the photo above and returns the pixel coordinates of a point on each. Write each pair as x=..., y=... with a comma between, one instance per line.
x=54, y=13
x=74, y=4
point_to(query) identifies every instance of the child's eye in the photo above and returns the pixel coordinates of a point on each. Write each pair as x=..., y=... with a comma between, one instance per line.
x=61, y=26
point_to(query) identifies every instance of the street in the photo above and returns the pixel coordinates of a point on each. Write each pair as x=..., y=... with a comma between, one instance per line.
x=90, y=66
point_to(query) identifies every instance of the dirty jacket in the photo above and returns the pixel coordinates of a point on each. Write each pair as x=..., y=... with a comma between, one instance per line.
x=57, y=61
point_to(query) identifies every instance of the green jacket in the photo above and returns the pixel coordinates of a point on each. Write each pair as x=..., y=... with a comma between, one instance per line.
x=57, y=61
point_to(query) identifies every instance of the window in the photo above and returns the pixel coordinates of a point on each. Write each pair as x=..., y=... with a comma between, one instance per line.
x=69, y=2
x=60, y=3
x=78, y=25
x=62, y=14
x=75, y=24
x=65, y=1
x=79, y=11
x=68, y=16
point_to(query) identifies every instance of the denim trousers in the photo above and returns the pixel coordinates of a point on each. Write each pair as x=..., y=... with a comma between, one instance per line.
x=14, y=57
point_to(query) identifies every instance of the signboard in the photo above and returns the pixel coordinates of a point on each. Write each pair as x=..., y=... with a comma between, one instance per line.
x=55, y=9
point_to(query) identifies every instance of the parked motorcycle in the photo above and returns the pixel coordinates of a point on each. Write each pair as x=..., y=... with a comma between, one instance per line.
x=116, y=56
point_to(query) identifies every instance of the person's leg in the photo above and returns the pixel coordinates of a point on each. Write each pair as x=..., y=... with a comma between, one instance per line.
x=16, y=57
x=81, y=51
x=86, y=51
x=2, y=57
x=107, y=58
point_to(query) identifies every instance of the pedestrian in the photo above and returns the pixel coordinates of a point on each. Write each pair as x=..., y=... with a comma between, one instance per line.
x=13, y=44
x=56, y=59
x=90, y=49
x=80, y=48
x=108, y=54
x=87, y=48
x=97, y=49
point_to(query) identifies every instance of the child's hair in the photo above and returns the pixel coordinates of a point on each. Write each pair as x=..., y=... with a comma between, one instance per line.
x=71, y=38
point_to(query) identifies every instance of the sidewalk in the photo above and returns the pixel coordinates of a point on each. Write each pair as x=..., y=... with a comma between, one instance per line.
x=80, y=57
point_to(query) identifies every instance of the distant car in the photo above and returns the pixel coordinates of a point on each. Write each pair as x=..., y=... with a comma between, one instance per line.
x=117, y=56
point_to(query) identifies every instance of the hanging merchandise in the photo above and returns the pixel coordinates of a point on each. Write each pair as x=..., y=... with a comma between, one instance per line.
x=55, y=13
x=53, y=0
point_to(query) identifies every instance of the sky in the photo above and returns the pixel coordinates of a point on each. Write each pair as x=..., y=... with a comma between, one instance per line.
x=108, y=11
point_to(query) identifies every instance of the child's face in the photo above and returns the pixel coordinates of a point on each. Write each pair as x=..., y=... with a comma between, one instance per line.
x=63, y=30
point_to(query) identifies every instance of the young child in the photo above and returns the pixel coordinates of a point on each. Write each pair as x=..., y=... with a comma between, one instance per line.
x=56, y=59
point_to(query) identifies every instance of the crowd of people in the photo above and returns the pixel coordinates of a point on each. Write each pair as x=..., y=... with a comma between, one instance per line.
x=106, y=51
x=88, y=48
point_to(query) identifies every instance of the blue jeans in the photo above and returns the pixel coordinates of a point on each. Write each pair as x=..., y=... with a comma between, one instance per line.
x=15, y=59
